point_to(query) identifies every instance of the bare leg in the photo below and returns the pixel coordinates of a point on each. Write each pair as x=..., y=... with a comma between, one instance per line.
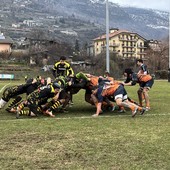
x=146, y=97
x=140, y=93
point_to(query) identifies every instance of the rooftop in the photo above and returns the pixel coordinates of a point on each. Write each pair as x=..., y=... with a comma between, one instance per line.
x=5, y=40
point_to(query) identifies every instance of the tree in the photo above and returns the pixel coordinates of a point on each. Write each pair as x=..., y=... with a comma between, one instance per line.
x=37, y=33
x=77, y=47
x=158, y=59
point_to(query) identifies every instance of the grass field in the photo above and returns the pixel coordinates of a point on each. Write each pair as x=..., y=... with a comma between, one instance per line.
x=76, y=140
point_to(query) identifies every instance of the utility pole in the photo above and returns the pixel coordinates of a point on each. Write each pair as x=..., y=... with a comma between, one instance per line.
x=169, y=39
x=107, y=38
x=169, y=51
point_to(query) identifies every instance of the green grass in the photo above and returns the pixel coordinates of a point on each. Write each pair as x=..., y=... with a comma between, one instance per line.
x=75, y=140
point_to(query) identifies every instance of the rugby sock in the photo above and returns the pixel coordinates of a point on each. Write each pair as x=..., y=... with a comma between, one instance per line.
x=15, y=101
x=140, y=108
x=24, y=112
x=132, y=107
x=96, y=103
x=39, y=109
x=20, y=107
x=55, y=105
x=126, y=105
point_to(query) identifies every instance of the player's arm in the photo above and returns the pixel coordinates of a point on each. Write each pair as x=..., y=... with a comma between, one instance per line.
x=71, y=72
x=131, y=83
x=69, y=69
x=55, y=69
x=144, y=69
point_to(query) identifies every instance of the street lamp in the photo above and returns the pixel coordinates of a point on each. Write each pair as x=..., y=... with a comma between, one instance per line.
x=107, y=38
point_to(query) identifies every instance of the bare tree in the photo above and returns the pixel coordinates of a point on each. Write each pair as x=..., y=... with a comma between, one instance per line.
x=158, y=59
x=37, y=33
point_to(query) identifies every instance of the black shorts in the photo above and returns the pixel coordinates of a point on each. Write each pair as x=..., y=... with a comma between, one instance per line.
x=63, y=95
x=120, y=93
x=147, y=84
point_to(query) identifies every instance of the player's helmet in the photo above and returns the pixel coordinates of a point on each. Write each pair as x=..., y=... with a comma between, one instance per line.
x=61, y=81
x=56, y=85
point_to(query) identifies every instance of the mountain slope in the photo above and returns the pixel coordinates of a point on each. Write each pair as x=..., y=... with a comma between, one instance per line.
x=151, y=24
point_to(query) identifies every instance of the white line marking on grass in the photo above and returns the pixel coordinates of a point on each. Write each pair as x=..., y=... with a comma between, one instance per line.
x=110, y=116
x=4, y=87
x=86, y=117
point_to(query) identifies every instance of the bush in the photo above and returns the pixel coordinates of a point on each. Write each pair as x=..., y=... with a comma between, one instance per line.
x=161, y=74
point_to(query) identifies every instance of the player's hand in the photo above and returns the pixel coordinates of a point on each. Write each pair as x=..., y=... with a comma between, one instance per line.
x=123, y=83
x=69, y=83
x=34, y=81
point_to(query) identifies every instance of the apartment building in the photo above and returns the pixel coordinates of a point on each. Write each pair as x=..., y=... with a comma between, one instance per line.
x=122, y=43
x=154, y=45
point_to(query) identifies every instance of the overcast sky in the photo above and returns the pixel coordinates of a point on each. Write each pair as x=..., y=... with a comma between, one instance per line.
x=153, y=4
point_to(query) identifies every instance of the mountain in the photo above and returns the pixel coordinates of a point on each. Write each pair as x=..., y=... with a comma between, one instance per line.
x=85, y=19
x=152, y=24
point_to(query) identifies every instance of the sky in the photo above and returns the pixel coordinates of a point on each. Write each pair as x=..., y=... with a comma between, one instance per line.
x=163, y=5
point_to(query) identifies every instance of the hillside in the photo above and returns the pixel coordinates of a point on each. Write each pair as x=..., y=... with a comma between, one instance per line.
x=69, y=20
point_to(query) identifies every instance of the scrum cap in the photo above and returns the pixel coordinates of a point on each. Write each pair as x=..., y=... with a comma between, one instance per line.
x=56, y=85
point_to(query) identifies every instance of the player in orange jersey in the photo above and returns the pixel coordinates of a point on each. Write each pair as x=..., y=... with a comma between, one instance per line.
x=142, y=67
x=91, y=85
x=119, y=93
x=107, y=76
x=145, y=82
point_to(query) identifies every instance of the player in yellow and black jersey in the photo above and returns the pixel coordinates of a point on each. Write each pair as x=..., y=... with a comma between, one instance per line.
x=39, y=97
x=14, y=92
x=62, y=68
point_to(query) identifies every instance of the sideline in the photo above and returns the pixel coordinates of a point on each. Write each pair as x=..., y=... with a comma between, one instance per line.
x=84, y=117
